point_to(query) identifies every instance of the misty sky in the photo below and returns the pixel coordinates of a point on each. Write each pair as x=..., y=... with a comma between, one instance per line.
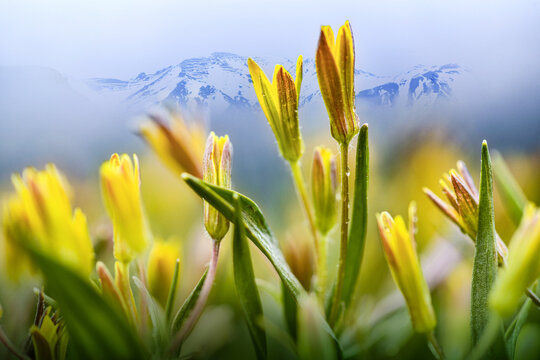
x=120, y=38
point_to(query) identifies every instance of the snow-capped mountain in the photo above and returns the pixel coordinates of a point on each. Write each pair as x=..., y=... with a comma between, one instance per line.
x=222, y=80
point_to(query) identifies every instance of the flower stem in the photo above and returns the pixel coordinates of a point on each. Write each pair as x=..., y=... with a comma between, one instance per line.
x=322, y=272
x=434, y=346
x=201, y=301
x=303, y=197
x=9, y=345
x=344, y=149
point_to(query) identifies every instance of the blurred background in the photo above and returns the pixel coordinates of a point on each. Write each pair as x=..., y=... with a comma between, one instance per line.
x=432, y=79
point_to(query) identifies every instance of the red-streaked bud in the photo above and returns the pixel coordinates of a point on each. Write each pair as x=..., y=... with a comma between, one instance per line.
x=217, y=165
x=335, y=71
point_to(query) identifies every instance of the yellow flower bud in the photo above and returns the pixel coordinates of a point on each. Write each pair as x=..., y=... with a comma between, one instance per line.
x=41, y=213
x=178, y=145
x=279, y=102
x=217, y=171
x=120, y=187
x=334, y=62
x=462, y=207
x=324, y=188
x=161, y=265
x=523, y=267
x=400, y=251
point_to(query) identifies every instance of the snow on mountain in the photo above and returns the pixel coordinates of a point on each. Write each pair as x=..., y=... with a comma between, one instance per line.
x=222, y=80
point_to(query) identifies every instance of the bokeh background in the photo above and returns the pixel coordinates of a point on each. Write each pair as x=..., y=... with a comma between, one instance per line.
x=433, y=80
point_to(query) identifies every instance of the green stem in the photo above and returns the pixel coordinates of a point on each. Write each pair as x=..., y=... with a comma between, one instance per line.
x=344, y=149
x=303, y=197
x=322, y=272
x=434, y=346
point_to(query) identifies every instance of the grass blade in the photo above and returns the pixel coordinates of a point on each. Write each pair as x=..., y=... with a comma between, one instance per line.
x=485, y=258
x=358, y=230
x=244, y=279
x=188, y=305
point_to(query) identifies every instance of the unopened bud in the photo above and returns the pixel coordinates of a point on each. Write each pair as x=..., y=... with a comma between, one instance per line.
x=217, y=171
x=324, y=188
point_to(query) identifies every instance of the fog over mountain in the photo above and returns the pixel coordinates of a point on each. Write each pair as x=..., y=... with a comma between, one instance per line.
x=77, y=122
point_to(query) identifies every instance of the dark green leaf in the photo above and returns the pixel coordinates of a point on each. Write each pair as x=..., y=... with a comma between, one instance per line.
x=188, y=305
x=97, y=329
x=290, y=309
x=358, y=230
x=244, y=279
x=42, y=350
x=485, y=258
x=512, y=196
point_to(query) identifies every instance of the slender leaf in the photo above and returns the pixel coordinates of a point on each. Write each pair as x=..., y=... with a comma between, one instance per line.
x=172, y=290
x=485, y=258
x=246, y=288
x=358, y=230
x=188, y=305
x=160, y=335
x=97, y=329
x=257, y=231
x=512, y=196
x=513, y=330
x=290, y=310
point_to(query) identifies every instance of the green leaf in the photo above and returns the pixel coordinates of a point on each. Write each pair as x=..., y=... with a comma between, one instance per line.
x=256, y=230
x=42, y=350
x=512, y=196
x=485, y=258
x=172, y=290
x=160, y=335
x=513, y=330
x=188, y=305
x=358, y=230
x=254, y=223
x=97, y=329
x=290, y=310
x=244, y=279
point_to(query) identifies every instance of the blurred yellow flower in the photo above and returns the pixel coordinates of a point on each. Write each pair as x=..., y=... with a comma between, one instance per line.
x=178, y=145
x=400, y=251
x=279, y=102
x=334, y=62
x=523, y=266
x=40, y=213
x=217, y=165
x=120, y=186
x=161, y=264
x=324, y=188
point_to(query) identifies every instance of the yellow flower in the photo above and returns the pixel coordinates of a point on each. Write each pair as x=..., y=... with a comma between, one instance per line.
x=40, y=213
x=523, y=267
x=120, y=183
x=400, y=251
x=178, y=145
x=335, y=71
x=279, y=102
x=161, y=264
x=324, y=188
x=462, y=209
x=217, y=171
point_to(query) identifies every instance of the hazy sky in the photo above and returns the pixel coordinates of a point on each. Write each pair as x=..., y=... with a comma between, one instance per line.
x=120, y=38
